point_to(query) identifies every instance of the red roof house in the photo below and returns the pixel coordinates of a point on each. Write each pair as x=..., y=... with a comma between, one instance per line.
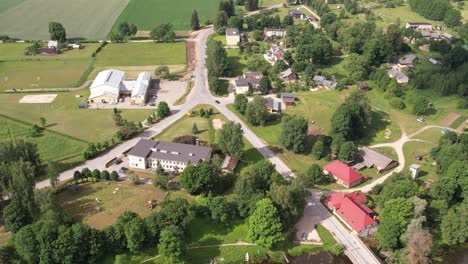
x=352, y=210
x=343, y=174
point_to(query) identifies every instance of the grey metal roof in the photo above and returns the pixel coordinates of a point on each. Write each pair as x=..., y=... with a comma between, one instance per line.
x=372, y=157
x=295, y=12
x=170, y=151
x=232, y=32
x=287, y=95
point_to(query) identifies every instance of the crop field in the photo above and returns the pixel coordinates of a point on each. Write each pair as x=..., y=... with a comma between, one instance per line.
x=29, y=19
x=146, y=14
x=52, y=146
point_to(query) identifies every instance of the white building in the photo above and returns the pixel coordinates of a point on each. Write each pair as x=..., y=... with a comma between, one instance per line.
x=274, y=32
x=110, y=85
x=233, y=36
x=172, y=156
x=419, y=25
x=394, y=73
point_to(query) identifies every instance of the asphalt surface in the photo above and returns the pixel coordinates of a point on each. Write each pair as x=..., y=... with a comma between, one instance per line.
x=354, y=248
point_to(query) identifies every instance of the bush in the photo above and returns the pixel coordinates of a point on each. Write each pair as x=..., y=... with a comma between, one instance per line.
x=134, y=179
x=85, y=173
x=114, y=176
x=96, y=174
x=397, y=103
x=105, y=175
x=77, y=175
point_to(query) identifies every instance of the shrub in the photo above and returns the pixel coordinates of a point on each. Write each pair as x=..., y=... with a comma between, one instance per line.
x=77, y=175
x=397, y=103
x=85, y=173
x=114, y=176
x=96, y=174
x=105, y=175
x=134, y=179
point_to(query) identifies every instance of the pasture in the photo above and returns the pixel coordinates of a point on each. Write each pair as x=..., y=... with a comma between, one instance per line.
x=52, y=146
x=149, y=13
x=29, y=19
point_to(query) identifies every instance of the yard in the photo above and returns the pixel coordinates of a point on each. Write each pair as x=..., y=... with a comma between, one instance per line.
x=64, y=116
x=149, y=13
x=413, y=149
x=29, y=19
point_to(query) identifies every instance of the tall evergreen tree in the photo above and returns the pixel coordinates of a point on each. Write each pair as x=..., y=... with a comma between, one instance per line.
x=195, y=22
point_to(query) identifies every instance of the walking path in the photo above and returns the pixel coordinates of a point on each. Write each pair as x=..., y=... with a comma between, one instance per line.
x=28, y=90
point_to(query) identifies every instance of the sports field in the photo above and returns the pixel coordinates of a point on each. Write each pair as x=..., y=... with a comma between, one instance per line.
x=29, y=19
x=146, y=14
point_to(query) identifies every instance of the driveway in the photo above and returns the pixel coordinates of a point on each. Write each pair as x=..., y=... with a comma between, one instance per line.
x=309, y=220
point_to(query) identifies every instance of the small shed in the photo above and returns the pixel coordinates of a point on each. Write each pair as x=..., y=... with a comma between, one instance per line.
x=414, y=169
x=229, y=164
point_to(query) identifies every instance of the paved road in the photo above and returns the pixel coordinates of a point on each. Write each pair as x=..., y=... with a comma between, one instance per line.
x=200, y=94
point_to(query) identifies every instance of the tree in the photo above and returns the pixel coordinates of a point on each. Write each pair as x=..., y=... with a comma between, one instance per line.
x=347, y=151
x=454, y=225
x=127, y=131
x=265, y=227
x=171, y=244
x=53, y=173
x=96, y=174
x=265, y=84
x=219, y=210
x=116, y=36
x=231, y=139
x=194, y=128
x=163, y=109
x=314, y=175
x=357, y=67
x=105, y=175
x=394, y=219
x=162, y=71
x=34, y=131
x=453, y=18
x=195, y=22
x=198, y=179
x=15, y=216
x=256, y=111
x=220, y=22
x=43, y=121
x=293, y=133
x=240, y=103
x=176, y=212
x=34, y=49
x=126, y=29
x=57, y=32
x=227, y=6
x=163, y=32
x=289, y=200
x=419, y=246
x=114, y=176
x=91, y=151
x=318, y=149
x=26, y=244
x=236, y=22
x=77, y=175
x=420, y=105
x=135, y=234
x=251, y=5
x=216, y=60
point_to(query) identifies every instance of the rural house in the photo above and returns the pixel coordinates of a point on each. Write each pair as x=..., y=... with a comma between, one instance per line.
x=233, y=36
x=273, y=105
x=288, y=75
x=421, y=26
x=274, y=54
x=110, y=85
x=372, y=158
x=322, y=81
x=407, y=61
x=448, y=37
x=274, y=32
x=398, y=75
x=172, y=156
x=288, y=99
x=342, y=173
x=248, y=82
x=51, y=49
x=296, y=14
x=352, y=210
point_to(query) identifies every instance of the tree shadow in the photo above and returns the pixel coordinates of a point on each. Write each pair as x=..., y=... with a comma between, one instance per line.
x=380, y=121
x=51, y=125
x=234, y=66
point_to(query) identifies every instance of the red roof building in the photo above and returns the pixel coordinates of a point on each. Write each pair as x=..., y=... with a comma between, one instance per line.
x=352, y=210
x=343, y=174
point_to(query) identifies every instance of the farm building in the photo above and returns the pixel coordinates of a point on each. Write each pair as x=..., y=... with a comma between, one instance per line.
x=288, y=99
x=110, y=85
x=398, y=75
x=296, y=14
x=351, y=209
x=419, y=26
x=273, y=105
x=372, y=158
x=342, y=173
x=229, y=164
x=172, y=156
x=288, y=75
x=274, y=32
x=322, y=81
x=232, y=36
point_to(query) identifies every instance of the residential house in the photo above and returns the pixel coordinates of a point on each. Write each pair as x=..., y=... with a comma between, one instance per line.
x=426, y=34
x=425, y=47
x=255, y=75
x=322, y=81
x=296, y=14
x=400, y=77
x=229, y=164
x=372, y=158
x=51, y=49
x=172, y=156
x=421, y=26
x=288, y=75
x=448, y=37
x=233, y=36
x=343, y=174
x=273, y=105
x=352, y=210
x=248, y=82
x=274, y=32
x=274, y=54
x=407, y=61
x=436, y=36
x=110, y=85
x=288, y=99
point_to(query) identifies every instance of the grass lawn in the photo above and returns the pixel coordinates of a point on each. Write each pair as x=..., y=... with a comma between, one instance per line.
x=64, y=116
x=149, y=13
x=237, y=65
x=96, y=205
x=413, y=149
x=52, y=146
x=431, y=135
x=203, y=231
x=90, y=19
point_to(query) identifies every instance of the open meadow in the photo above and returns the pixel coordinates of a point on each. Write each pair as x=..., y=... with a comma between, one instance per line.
x=149, y=13
x=29, y=19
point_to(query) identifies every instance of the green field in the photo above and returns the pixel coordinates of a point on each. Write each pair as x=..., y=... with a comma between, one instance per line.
x=29, y=19
x=146, y=14
x=52, y=146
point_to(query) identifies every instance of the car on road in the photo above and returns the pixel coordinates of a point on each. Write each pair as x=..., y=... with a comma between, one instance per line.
x=152, y=104
x=217, y=101
x=123, y=170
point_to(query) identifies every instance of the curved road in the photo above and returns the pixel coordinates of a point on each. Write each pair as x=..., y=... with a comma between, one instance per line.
x=354, y=247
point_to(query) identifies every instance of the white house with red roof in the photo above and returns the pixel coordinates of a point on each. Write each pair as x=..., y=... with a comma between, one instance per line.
x=343, y=174
x=351, y=209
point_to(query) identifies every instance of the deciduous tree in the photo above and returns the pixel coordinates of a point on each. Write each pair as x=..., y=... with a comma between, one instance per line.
x=231, y=139
x=293, y=133
x=198, y=179
x=57, y=32
x=265, y=226
x=256, y=111
x=171, y=245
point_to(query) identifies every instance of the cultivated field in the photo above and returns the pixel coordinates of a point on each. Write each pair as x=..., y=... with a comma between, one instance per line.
x=29, y=19
x=147, y=14
x=52, y=146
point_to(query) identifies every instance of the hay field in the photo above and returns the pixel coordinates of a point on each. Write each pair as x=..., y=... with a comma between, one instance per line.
x=148, y=13
x=29, y=19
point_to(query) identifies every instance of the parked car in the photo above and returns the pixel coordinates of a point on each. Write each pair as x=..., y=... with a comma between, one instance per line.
x=123, y=170
x=118, y=161
x=152, y=104
x=217, y=101
x=304, y=236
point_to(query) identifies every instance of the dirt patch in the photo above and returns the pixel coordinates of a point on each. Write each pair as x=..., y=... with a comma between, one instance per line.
x=38, y=99
x=143, y=34
x=450, y=118
x=191, y=56
x=217, y=124
x=312, y=132
x=462, y=127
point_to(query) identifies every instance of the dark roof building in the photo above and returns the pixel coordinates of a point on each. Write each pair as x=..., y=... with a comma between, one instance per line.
x=372, y=158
